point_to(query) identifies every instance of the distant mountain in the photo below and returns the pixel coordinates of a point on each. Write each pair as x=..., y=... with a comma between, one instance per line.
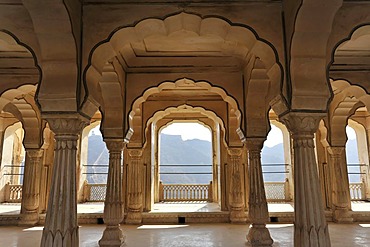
x=175, y=151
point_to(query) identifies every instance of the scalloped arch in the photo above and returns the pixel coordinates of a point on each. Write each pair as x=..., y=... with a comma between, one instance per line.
x=232, y=38
x=9, y=95
x=173, y=85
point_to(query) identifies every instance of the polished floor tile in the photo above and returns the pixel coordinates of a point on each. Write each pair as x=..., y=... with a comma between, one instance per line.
x=194, y=235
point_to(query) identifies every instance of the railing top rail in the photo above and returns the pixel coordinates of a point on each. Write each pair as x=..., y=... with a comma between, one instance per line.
x=186, y=165
x=184, y=184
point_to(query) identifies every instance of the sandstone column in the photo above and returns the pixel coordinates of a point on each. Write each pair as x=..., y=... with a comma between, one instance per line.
x=61, y=227
x=237, y=214
x=135, y=195
x=310, y=227
x=258, y=234
x=341, y=196
x=31, y=187
x=113, y=205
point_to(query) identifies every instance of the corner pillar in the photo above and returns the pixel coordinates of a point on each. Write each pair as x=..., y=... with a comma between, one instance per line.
x=61, y=228
x=113, y=204
x=258, y=234
x=310, y=227
x=135, y=187
x=341, y=196
x=31, y=188
x=237, y=214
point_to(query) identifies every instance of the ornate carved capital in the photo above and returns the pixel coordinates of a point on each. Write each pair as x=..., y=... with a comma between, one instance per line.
x=135, y=153
x=255, y=144
x=234, y=152
x=336, y=151
x=66, y=124
x=114, y=145
x=302, y=123
x=34, y=153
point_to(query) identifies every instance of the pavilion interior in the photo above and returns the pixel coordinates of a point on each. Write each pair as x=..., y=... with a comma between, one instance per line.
x=240, y=68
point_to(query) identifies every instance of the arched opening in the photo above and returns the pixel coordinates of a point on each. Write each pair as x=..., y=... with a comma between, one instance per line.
x=357, y=161
x=12, y=164
x=276, y=164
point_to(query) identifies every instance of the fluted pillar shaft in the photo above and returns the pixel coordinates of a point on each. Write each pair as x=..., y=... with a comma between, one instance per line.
x=113, y=205
x=258, y=234
x=31, y=187
x=61, y=227
x=310, y=227
x=341, y=196
x=135, y=187
x=237, y=214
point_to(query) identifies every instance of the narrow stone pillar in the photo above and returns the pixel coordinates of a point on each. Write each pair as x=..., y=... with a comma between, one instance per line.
x=113, y=205
x=61, y=227
x=237, y=214
x=310, y=227
x=341, y=196
x=258, y=234
x=31, y=188
x=135, y=187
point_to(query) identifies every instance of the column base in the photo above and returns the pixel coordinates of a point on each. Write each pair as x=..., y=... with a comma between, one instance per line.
x=134, y=218
x=57, y=238
x=112, y=237
x=29, y=219
x=259, y=235
x=342, y=216
x=238, y=217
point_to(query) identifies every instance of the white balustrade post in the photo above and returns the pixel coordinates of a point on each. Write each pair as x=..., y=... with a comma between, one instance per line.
x=61, y=228
x=113, y=204
x=258, y=234
x=310, y=227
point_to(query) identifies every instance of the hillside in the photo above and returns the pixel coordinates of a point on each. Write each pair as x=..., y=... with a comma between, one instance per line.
x=174, y=150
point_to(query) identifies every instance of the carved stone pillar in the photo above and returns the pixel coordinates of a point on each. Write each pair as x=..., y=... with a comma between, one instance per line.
x=237, y=214
x=341, y=196
x=135, y=187
x=113, y=205
x=31, y=187
x=310, y=227
x=258, y=234
x=61, y=227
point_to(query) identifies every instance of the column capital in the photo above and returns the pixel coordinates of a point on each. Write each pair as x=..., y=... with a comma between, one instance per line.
x=234, y=152
x=255, y=143
x=336, y=150
x=302, y=123
x=34, y=153
x=66, y=124
x=135, y=153
x=114, y=145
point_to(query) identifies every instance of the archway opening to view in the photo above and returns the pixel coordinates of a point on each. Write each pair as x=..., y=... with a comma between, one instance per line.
x=276, y=164
x=186, y=163
x=357, y=161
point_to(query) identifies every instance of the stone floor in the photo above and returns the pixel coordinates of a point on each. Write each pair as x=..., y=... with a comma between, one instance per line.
x=195, y=235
